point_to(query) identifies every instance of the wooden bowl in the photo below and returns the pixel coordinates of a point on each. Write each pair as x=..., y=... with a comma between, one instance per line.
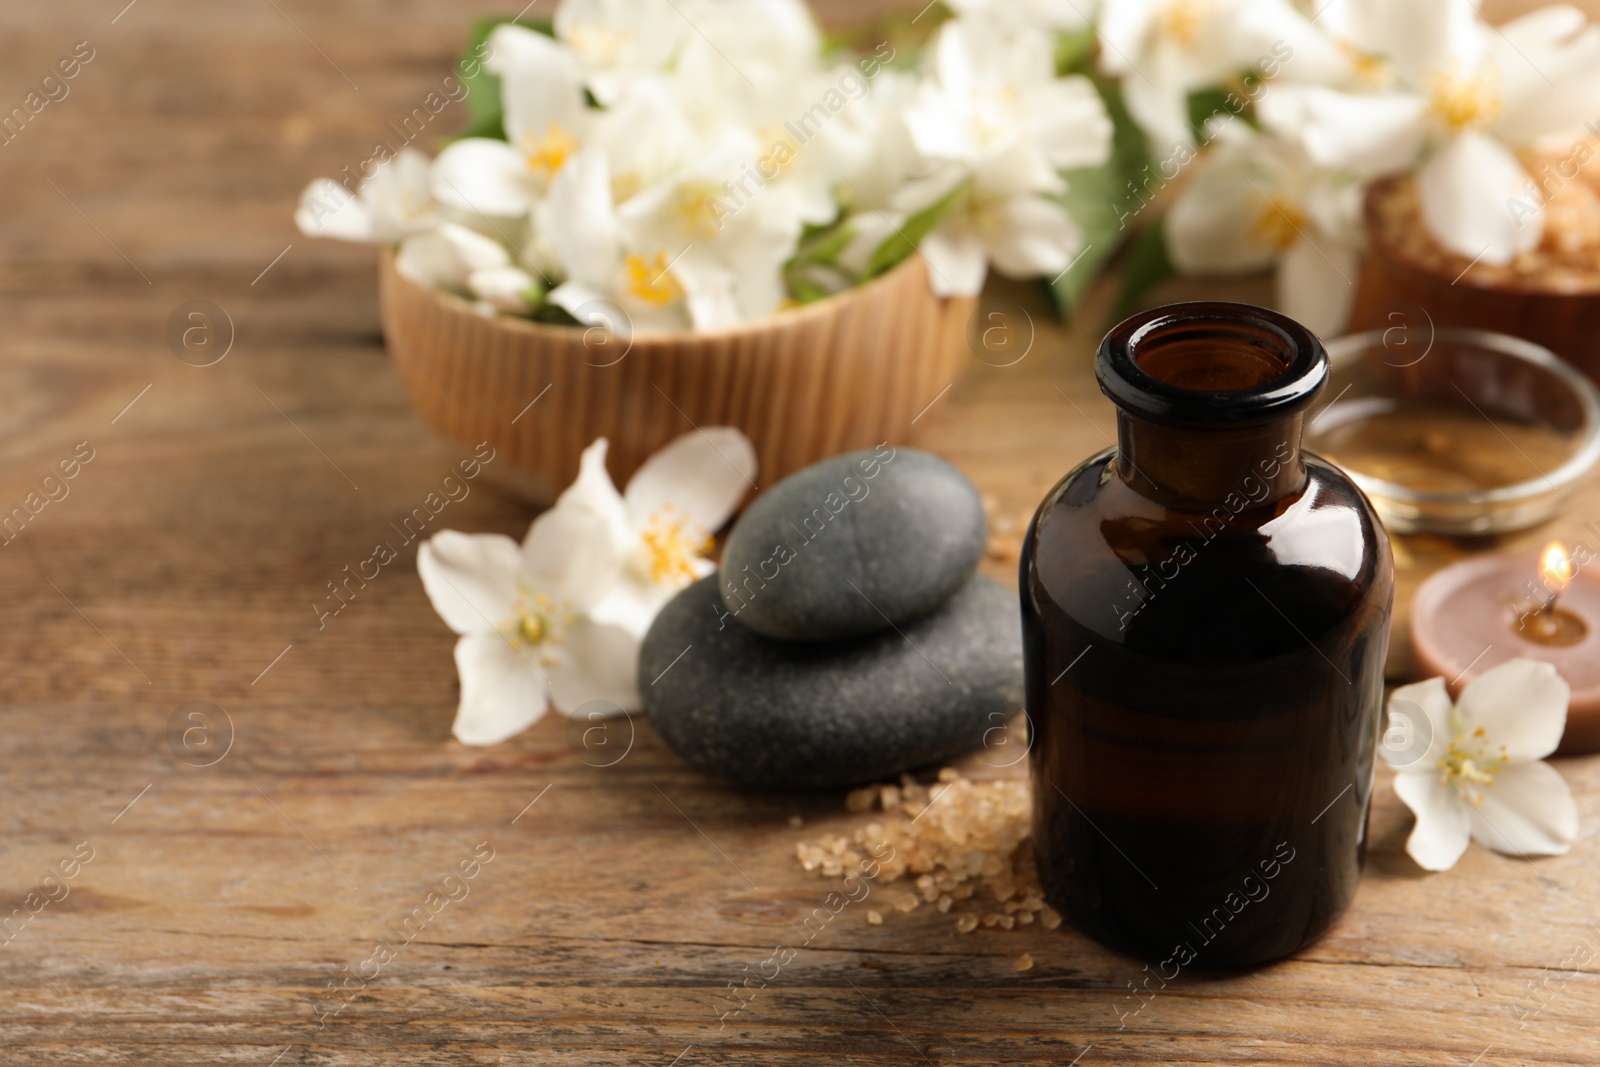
x=1396, y=285
x=848, y=372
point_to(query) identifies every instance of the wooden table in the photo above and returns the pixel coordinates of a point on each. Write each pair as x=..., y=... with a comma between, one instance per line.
x=223, y=902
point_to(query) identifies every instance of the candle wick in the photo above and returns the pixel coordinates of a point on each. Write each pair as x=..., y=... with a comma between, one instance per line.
x=1550, y=605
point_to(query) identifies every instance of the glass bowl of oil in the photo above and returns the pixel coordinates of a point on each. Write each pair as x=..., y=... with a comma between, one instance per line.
x=1460, y=432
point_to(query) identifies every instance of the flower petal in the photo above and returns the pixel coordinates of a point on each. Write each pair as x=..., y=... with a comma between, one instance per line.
x=1419, y=720
x=702, y=474
x=470, y=578
x=1316, y=284
x=1465, y=188
x=472, y=250
x=598, y=662
x=1368, y=133
x=579, y=221
x=1069, y=121
x=957, y=262
x=633, y=605
x=1210, y=225
x=1418, y=36
x=427, y=259
x=501, y=693
x=1030, y=237
x=541, y=83
x=328, y=210
x=1528, y=811
x=1443, y=827
x=1549, y=65
x=571, y=555
x=1521, y=704
x=509, y=289
x=484, y=177
x=593, y=489
x=1160, y=103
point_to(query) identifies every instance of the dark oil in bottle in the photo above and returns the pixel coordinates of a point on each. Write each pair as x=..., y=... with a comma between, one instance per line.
x=1205, y=619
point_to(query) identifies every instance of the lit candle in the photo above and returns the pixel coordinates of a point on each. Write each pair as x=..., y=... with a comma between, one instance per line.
x=1478, y=614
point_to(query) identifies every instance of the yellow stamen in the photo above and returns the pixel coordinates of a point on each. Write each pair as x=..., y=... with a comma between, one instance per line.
x=1279, y=223
x=1465, y=101
x=549, y=153
x=782, y=151
x=1368, y=70
x=1469, y=766
x=598, y=43
x=624, y=186
x=538, y=624
x=648, y=280
x=997, y=112
x=1181, y=20
x=698, y=210
x=673, y=547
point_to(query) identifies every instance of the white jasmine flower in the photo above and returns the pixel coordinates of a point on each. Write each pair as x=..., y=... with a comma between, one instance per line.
x=993, y=115
x=546, y=118
x=725, y=252
x=1253, y=201
x=645, y=136
x=744, y=57
x=1483, y=777
x=1023, y=235
x=661, y=525
x=1163, y=50
x=995, y=106
x=1437, y=82
x=394, y=203
x=618, y=42
x=580, y=225
x=527, y=638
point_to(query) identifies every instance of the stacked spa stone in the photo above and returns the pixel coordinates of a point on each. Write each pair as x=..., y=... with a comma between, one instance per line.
x=846, y=638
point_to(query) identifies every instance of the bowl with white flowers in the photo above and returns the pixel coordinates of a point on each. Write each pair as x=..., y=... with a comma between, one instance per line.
x=672, y=214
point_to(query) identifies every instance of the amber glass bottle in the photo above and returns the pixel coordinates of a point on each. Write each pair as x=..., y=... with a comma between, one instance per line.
x=1205, y=618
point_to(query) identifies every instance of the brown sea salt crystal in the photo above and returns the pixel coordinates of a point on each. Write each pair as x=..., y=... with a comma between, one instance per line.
x=874, y=918
x=967, y=923
x=953, y=839
x=1024, y=962
x=1567, y=257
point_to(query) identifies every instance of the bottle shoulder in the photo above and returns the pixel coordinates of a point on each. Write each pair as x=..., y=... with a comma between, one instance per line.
x=1112, y=559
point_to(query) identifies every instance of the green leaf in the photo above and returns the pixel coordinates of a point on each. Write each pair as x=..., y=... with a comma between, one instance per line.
x=825, y=245
x=1104, y=199
x=1146, y=266
x=554, y=314
x=898, y=246
x=485, y=117
x=1075, y=51
x=817, y=254
x=1203, y=104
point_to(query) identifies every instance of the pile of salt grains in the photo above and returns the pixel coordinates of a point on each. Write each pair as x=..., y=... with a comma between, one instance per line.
x=951, y=839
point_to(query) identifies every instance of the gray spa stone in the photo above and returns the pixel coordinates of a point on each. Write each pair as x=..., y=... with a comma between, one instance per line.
x=786, y=715
x=853, y=545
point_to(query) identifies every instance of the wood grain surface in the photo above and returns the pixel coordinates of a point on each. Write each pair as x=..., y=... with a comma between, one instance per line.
x=191, y=556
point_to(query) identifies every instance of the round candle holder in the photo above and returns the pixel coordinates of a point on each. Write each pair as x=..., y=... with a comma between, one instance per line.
x=1475, y=615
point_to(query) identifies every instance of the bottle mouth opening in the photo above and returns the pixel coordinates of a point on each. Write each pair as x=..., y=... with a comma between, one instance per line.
x=1211, y=362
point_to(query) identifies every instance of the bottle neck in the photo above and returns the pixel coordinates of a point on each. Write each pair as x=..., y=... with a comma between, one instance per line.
x=1189, y=469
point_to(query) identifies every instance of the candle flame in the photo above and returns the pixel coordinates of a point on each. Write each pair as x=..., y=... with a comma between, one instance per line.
x=1555, y=567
